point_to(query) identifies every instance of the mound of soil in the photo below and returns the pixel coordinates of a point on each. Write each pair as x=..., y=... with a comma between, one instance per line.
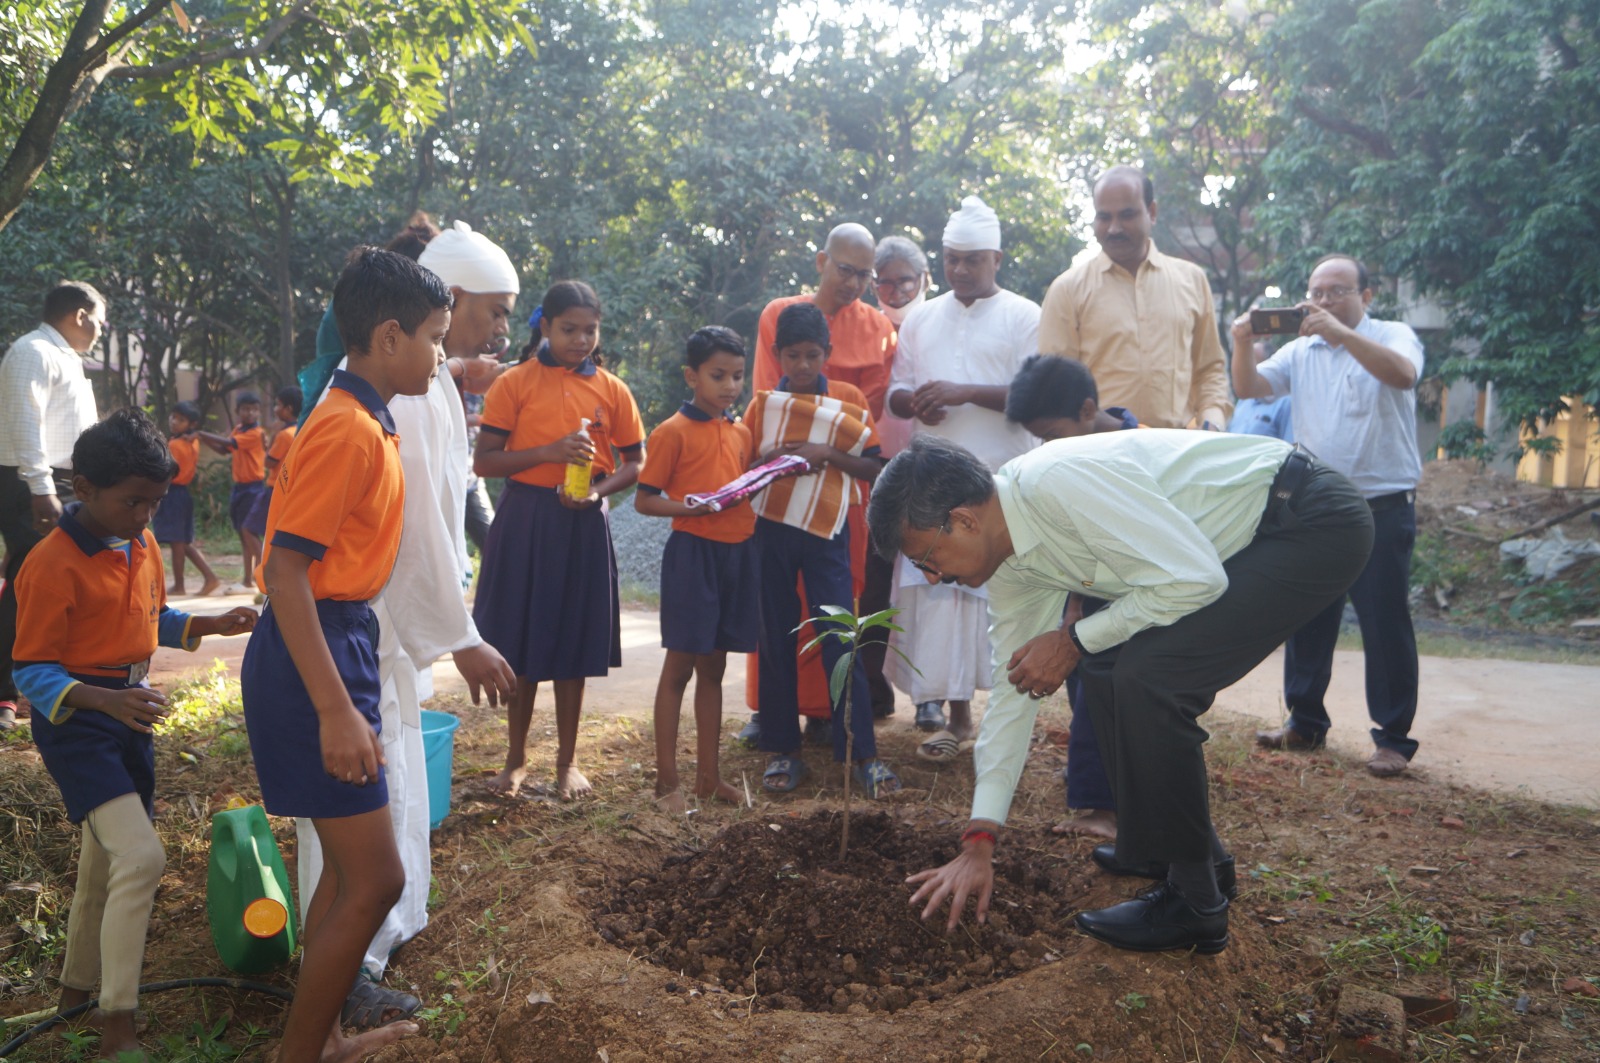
x=767, y=911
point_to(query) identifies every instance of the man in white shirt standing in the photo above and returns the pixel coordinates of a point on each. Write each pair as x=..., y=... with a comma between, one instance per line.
x=1209, y=547
x=1355, y=380
x=957, y=356
x=45, y=404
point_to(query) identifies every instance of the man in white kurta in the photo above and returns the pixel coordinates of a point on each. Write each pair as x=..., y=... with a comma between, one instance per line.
x=957, y=356
x=422, y=613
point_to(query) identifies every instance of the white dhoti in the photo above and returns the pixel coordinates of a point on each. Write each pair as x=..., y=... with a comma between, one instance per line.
x=946, y=636
x=400, y=710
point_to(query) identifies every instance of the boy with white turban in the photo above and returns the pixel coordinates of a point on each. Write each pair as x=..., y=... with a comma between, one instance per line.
x=422, y=613
x=957, y=356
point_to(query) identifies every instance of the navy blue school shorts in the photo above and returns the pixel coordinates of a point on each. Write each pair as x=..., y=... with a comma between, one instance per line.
x=285, y=739
x=255, y=522
x=710, y=599
x=174, y=519
x=94, y=757
x=241, y=499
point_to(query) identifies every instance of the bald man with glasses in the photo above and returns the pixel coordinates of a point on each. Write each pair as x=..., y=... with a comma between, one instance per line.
x=864, y=343
x=1355, y=381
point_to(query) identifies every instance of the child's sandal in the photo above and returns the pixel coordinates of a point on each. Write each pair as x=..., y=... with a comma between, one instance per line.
x=876, y=778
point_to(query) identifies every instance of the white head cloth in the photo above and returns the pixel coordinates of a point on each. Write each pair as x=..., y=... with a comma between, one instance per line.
x=973, y=228
x=470, y=261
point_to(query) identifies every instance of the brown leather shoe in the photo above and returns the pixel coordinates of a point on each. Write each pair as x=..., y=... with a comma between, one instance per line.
x=1387, y=762
x=1286, y=737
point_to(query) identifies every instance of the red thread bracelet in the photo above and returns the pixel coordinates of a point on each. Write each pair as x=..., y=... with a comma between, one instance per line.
x=979, y=832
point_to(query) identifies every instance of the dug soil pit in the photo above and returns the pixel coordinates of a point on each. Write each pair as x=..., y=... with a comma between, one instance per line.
x=761, y=911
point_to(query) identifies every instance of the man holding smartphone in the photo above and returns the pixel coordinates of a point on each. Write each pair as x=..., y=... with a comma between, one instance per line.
x=1356, y=410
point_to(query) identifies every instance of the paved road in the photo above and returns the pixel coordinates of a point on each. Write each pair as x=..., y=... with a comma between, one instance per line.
x=1510, y=726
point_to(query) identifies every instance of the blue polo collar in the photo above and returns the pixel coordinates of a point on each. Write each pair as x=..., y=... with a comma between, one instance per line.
x=822, y=385
x=583, y=368
x=81, y=537
x=365, y=394
x=695, y=413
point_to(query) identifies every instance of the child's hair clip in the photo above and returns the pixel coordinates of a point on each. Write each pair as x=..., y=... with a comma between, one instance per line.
x=538, y=316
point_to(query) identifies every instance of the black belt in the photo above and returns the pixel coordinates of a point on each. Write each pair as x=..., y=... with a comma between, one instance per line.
x=1292, y=475
x=1391, y=501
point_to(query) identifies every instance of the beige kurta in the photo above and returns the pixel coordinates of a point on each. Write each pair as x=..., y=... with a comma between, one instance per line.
x=1150, y=340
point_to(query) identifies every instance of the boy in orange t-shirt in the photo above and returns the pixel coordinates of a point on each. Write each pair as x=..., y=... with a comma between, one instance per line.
x=173, y=523
x=310, y=676
x=247, y=445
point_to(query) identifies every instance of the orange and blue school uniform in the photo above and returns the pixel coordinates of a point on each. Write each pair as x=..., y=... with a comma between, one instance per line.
x=174, y=519
x=547, y=589
x=803, y=535
x=337, y=499
x=92, y=611
x=248, y=447
x=708, y=568
x=255, y=522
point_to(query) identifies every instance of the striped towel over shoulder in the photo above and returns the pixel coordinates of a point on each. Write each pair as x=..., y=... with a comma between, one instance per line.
x=816, y=503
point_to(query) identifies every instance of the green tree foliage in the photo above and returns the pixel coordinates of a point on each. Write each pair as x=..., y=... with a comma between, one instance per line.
x=307, y=71
x=1456, y=144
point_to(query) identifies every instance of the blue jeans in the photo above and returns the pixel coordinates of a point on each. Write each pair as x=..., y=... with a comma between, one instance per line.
x=1381, y=596
x=825, y=565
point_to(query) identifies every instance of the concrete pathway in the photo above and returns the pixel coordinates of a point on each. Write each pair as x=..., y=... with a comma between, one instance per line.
x=1511, y=726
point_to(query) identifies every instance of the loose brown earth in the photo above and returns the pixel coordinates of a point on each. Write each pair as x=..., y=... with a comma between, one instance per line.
x=732, y=940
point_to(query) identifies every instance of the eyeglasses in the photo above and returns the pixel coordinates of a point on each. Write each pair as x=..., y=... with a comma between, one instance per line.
x=850, y=273
x=922, y=565
x=904, y=284
x=1317, y=295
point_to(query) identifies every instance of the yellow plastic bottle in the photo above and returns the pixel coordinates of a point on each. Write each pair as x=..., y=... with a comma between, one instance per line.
x=580, y=473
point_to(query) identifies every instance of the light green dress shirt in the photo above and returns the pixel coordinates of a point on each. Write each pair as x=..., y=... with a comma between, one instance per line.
x=1144, y=519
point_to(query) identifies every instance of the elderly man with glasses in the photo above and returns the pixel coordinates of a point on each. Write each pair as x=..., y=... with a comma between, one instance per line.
x=1355, y=381
x=864, y=342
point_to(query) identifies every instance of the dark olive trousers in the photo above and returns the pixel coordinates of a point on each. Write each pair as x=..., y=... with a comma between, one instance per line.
x=1147, y=695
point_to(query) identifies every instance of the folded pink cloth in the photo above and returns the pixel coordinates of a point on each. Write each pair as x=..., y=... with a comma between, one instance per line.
x=755, y=480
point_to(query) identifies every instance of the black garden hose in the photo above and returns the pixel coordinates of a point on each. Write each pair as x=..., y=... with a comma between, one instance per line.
x=153, y=987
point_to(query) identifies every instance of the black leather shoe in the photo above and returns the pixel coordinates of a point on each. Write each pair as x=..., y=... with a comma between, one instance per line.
x=1106, y=856
x=1158, y=919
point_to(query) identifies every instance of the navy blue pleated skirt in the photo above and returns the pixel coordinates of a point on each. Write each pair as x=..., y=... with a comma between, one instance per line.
x=255, y=522
x=547, y=589
x=174, y=519
x=285, y=732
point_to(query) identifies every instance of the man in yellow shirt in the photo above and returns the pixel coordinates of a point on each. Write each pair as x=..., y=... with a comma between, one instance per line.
x=1145, y=324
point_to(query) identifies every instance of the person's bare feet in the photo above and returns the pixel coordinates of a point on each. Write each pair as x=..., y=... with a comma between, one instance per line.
x=118, y=1034
x=571, y=783
x=717, y=789
x=672, y=802
x=341, y=1049
x=508, y=782
x=210, y=587
x=176, y=591
x=1100, y=822
x=961, y=720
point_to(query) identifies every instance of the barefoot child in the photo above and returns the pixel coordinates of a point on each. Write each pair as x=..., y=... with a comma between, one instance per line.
x=708, y=570
x=247, y=444
x=801, y=531
x=173, y=523
x=286, y=411
x=310, y=676
x=547, y=589
x=82, y=653
x=1056, y=398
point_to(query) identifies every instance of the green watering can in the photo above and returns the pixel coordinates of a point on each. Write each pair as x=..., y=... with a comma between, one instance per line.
x=247, y=892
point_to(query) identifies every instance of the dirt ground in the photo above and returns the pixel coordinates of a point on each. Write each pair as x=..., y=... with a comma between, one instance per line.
x=609, y=930
x=756, y=944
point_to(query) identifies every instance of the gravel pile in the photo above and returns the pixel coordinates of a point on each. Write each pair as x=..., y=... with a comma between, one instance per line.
x=639, y=542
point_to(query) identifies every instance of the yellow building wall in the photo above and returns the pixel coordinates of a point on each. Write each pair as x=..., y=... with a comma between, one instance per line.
x=1578, y=463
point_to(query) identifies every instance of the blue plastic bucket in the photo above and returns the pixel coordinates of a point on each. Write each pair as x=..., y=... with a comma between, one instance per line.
x=438, y=749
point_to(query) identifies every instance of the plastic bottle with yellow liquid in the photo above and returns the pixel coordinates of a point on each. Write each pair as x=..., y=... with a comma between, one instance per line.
x=580, y=474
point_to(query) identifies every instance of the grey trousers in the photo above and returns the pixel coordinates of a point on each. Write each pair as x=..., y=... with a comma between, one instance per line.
x=1147, y=695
